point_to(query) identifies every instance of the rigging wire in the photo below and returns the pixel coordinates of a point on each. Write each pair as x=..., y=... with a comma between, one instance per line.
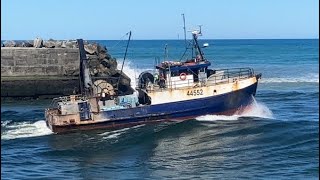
x=120, y=40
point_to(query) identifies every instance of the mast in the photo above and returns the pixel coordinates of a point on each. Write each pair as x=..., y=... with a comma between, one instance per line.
x=195, y=38
x=85, y=79
x=184, y=28
x=125, y=55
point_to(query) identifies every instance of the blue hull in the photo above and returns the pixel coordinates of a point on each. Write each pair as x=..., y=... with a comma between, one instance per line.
x=221, y=104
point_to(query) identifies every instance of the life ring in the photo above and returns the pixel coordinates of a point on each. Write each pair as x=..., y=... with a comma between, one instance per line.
x=183, y=76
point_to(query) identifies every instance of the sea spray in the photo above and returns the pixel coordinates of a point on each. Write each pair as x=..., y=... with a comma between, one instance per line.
x=256, y=109
x=131, y=71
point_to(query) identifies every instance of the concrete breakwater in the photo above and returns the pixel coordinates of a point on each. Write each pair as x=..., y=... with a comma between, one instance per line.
x=46, y=69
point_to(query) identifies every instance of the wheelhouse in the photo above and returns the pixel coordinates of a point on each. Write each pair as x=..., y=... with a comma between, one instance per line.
x=181, y=74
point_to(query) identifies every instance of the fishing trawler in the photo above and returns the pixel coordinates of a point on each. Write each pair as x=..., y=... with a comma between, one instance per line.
x=175, y=90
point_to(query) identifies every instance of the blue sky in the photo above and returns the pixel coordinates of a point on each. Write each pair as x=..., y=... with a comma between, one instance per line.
x=159, y=19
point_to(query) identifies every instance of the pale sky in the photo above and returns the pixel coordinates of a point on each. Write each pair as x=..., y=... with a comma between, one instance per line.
x=161, y=19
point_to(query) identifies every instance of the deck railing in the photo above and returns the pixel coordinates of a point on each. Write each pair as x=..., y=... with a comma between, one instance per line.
x=55, y=101
x=221, y=76
x=230, y=75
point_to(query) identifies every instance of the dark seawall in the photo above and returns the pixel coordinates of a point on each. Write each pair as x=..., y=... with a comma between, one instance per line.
x=38, y=72
x=30, y=72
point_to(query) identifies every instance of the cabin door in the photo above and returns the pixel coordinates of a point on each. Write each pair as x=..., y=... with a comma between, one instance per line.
x=84, y=110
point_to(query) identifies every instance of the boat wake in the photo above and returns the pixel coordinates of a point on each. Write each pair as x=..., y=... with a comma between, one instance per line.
x=113, y=134
x=256, y=109
x=116, y=133
x=25, y=130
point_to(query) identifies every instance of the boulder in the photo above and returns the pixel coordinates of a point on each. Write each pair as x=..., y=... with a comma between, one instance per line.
x=102, y=52
x=113, y=62
x=30, y=41
x=106, y=63
x=58, y=44
x=38, y=43
x=94, y=72
x=92, y=58
x=19, y=44
x=102, y=56
x=91, y=48
x=112, y=72
x=49, y=44
x=26, y=44
x=101, y=49
x=105, y=72
x=102, y=71
x=9, y=44
x=75, y=45
x=63, y=44
x=93, y=63
x=71, y=44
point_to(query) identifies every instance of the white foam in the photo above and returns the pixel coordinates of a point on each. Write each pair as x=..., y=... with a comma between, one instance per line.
x=131, y=71
x=120, y=131
x=217, y=117
x=112, y=136
x=117, y=133
x=256, y=109
x=309, y=78
x=4, y=123
x=25, y=130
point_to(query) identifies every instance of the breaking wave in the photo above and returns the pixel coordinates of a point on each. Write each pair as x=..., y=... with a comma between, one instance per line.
x=131, y=71
x=24, y=130
x=256, y=109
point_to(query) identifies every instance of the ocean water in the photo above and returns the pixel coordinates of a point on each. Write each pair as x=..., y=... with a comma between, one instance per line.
x=278, y=138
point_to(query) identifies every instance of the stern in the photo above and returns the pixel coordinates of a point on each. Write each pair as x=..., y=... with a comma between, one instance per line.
x=49, y=118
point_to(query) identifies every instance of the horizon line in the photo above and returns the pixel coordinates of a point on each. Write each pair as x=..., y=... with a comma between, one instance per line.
x=317, y=38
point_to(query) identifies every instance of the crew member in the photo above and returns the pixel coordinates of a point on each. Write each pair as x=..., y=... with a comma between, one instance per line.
x=162, y=82
x=156, y=78
x=198, y=58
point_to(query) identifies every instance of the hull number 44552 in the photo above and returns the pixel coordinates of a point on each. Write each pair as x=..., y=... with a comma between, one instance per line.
x=195, y=92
